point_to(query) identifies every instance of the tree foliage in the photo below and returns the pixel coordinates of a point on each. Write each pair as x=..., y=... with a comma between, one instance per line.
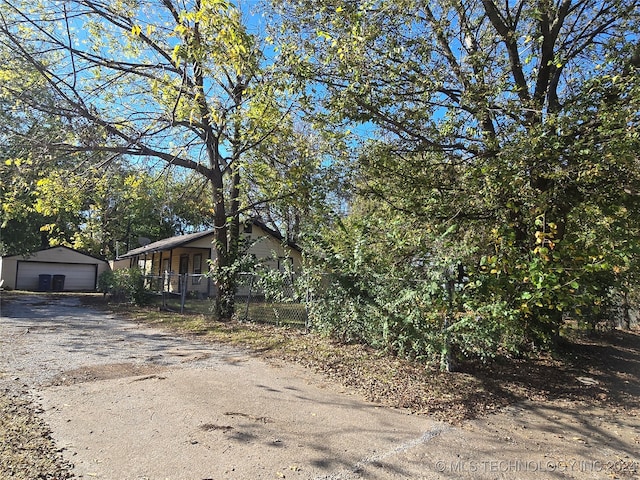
x=121, y=205
x=85, y=200
x=512, y=127
x=291, y=168
x=26, y=157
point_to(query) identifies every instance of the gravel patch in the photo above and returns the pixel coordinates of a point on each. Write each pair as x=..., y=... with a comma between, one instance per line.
x=27, y=451
x=55, y=340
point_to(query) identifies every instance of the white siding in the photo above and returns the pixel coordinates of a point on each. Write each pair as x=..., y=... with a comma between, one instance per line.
x=268, y=249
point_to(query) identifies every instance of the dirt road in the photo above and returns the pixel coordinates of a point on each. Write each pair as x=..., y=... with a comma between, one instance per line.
x=129, y=402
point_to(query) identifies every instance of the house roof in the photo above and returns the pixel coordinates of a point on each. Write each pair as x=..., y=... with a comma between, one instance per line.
x=275, y=234
x=32, y=254
x=166, y=244
x=181, y=240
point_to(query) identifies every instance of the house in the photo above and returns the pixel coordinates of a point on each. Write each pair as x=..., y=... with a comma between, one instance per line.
x=167, y=260
x=56, y=268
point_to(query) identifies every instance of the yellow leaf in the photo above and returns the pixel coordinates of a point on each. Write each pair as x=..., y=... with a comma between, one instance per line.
x=136, y=30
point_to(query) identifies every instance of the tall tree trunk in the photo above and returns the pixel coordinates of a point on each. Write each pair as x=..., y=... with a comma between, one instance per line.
x=230, y=227
x=224, y=303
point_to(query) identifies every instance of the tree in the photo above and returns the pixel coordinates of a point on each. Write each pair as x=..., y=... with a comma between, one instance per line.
x=289, y=169
x=83, y=200
x=25, y=157
x=179, y=82
x=123, y=204
x=515, y=123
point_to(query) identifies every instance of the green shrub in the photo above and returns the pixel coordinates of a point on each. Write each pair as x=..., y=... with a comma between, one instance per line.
x=126, y=285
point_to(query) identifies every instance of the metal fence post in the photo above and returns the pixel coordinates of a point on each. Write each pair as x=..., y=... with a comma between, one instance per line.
x=246, y=308
x=307, y=299
x=183, y=291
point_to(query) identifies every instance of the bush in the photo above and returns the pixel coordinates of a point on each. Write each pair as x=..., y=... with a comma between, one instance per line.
x=126, y=285
x=417, y=302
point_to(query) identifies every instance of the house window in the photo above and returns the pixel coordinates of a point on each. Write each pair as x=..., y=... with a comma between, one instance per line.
x=197, y=269
x=248, y=227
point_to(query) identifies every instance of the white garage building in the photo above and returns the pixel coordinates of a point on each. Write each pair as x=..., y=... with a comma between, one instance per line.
x=57, y=268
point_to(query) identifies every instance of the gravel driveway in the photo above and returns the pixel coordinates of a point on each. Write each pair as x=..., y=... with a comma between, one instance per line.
x=130, y=402
x=125, y=401
x=46, y=338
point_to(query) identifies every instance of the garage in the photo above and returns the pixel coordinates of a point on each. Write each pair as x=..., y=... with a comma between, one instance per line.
x=57, y=268
x=76, y=276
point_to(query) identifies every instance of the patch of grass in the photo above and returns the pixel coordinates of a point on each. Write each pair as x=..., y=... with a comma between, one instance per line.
x=259, y=338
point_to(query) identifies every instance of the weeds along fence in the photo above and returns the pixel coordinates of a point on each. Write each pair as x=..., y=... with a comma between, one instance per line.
x=193, y=293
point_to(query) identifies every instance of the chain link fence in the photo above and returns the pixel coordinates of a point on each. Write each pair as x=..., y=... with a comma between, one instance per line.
x=191, y=293
x=281, y=303
x=283, y=307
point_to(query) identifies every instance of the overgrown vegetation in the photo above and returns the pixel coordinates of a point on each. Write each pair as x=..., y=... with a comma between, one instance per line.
x=441, y=304
x=499, y=196
x=124, y=285
x=463, y=176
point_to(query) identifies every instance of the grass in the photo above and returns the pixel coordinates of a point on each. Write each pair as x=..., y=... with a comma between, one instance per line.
x=255, y=311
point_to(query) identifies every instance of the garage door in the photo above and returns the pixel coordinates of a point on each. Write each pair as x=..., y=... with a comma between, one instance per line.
x=78, y=276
